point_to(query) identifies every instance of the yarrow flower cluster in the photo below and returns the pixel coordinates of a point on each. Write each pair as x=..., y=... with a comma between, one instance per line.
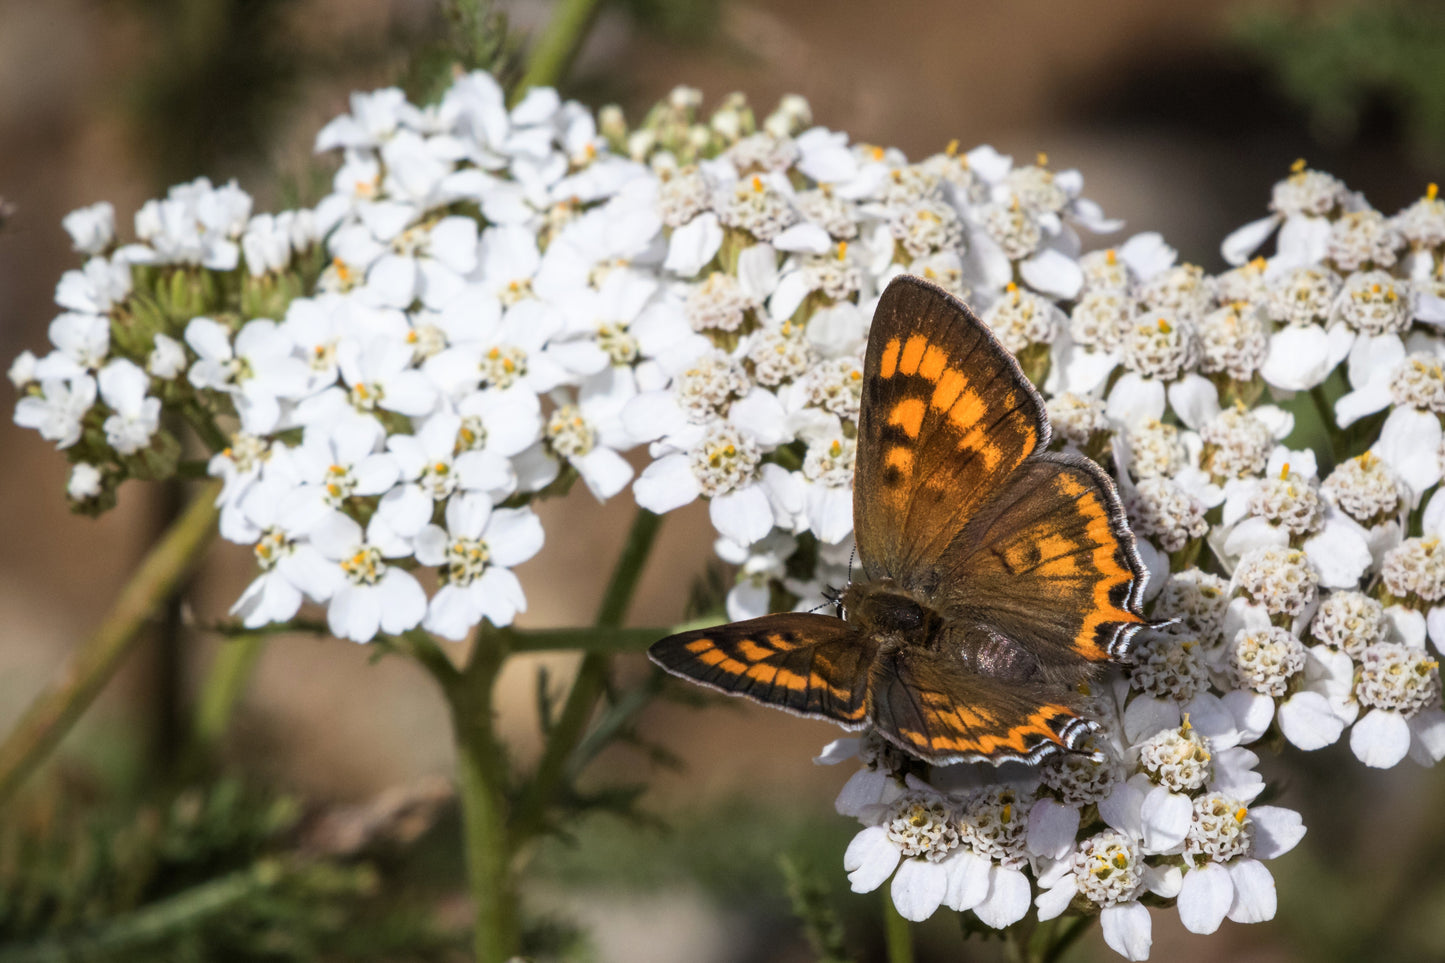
x=492, y=303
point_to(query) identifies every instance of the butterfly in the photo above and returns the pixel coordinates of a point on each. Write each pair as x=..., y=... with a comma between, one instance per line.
x=998, y=575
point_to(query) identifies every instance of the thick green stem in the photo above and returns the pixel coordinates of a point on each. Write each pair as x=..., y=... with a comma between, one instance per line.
x=897, y=938
x=600, y=641
x=554, y=51
x=425, y=650
x=628, y=571
x=591, y=677
x=52, y=714
x=229, y=674
x=482, y=789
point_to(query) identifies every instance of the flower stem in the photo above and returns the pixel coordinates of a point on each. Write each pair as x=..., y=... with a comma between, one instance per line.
x=482, y=780
x=591, y=676
x=896, y=936
x=554, y=52
x=91, y=666
x=1066, y=937
x=225, y=682
x=587, y=639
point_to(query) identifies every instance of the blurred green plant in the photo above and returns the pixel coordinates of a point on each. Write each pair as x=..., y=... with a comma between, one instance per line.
x=476, y=36
x=754, y=858
x=218, y=76
x=223, y=872
x=1337, y=62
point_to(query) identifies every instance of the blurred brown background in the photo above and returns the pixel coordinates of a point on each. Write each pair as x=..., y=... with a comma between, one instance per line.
x=1176, y=125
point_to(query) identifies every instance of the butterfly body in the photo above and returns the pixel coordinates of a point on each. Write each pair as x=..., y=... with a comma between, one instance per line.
x=996, y=575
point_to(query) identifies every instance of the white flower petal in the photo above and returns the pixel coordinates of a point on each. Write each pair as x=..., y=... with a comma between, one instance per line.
x=1276, y=830
x=1127, y=930
x=1428, y=746
x=1410, y=444
x=1252, y=711
x=403, y=603
x=666, y=484
x=805, y=238
x=863, y=789
x=1120, y=809
x=1146, y=715
x=1340, y=554
x=1309, y=721
x=1242, y=242
x=1380, y=738
x=354, y=613
x=870, y=859
x=513, y=536
x=1435, y=626
x=1135, y=398
x=1165, y=816
x=744, y=515
x=968, y=880
x=1053, y=828
x=1253, y=533
x=1298, y=358
x=918, y=887
x=693, y=245
x=1254, y=895
x=1194, y=399
x=1147, y=254
x=1053, y=273
x=1210, y=717
x=605, y=472
x=1008, y=898
x=1408, y=625
x=760, y=415
x=1052, y=902
x=405, y=509
x=1205, y=897
x=838, y=751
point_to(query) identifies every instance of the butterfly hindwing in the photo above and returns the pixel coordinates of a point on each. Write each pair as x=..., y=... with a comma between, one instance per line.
x=812, y=665
x=930, y=704
x=1050, y=563
x=946, y=414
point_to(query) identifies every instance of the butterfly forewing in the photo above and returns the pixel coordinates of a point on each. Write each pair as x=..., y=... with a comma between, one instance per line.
x=945, y=416
x=813, y=665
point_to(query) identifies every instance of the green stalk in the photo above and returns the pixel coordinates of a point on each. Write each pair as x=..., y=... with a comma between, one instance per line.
x=896, y=936
x=591, y=677
x=1325, y=408
x=229, y=674
x=599, y=641
x=482, y=790
x=91, y=666
x=554, y=52
x=1064, y=938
